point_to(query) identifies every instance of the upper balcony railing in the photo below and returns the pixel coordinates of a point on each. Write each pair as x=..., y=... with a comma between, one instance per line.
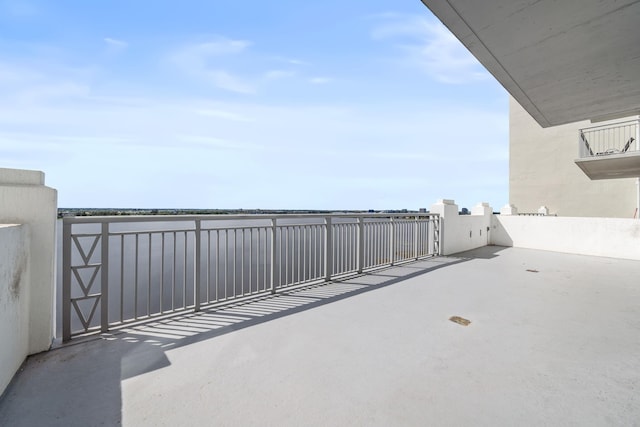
x=122, y=270
x=605, y=140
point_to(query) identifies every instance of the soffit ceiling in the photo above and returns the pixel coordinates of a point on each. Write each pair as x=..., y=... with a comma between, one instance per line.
x=563, y=61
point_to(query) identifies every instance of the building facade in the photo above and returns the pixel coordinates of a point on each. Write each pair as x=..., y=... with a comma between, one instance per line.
x=542, y=172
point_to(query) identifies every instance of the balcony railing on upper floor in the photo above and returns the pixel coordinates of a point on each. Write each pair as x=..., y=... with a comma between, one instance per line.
x=605, y=140
x=610, y=151
x=122, y=270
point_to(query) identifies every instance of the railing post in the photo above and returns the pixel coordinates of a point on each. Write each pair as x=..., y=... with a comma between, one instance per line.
x=360, y=246
x=637, y=132
x=392, y=241
x=440, y=235
x=328, y=249
x=104, y=278
x=197, y=265
x=273, y=254
x=66, y=281
x=434, y=235
x=417, y=235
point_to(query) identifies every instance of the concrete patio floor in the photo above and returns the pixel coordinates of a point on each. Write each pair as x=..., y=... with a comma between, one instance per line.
x=558, y=345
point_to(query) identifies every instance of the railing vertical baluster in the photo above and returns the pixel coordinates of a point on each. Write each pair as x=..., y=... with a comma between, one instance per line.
x=184, y=271
x=299, y=251
x=264, y=268
x=305, y=256
x=161, y=276
x=226, y=263
x=66, y=281
x=135, y=297
x=217, y=290
x=328, y=249
x=360, y=245
x=286, y=256
x=235, y=243
x=338, y=248
x=122, y=278
x=174, y=273
x=251, y=260
x=314, y=265
x=416, y=236
x=273, y=255
x=392, y=241
x=197, y=264
x=242, y=262
x=208, y=296
x=104, y=278
x=440, y=235
x=149, y=278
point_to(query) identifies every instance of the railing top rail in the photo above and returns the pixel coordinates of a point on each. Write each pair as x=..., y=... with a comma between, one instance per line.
x=178, y=218
x=611, y=125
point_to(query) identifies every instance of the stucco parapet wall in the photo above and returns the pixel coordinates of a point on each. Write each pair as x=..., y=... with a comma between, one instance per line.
x=605, y=237
x=25, y=200
x=463, y=232
x=21, y=177
x=14, y=299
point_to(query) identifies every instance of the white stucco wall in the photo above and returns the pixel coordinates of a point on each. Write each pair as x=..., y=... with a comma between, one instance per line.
x=14, y=300
x=25, y=200
x=463, y=232
x=542, y=172
x=608, y=237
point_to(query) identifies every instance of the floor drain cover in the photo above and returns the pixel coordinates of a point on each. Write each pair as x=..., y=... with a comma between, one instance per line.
x=460, y=320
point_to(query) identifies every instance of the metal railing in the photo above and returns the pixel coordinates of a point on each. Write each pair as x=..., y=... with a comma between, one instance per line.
x=122, y=270
x=603, y=140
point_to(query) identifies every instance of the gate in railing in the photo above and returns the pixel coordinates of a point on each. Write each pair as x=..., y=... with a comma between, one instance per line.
x=121, y=270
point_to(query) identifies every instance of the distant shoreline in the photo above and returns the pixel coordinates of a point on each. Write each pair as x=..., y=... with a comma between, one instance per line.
x=72, y=212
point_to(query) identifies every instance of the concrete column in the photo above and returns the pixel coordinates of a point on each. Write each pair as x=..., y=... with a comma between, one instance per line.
x=24, y=199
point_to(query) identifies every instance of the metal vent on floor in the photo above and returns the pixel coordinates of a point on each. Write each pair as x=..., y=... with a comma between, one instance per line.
x=460, y=320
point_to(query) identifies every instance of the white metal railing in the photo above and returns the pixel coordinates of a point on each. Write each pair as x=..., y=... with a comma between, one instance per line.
x=603, y=140
x=121, y=270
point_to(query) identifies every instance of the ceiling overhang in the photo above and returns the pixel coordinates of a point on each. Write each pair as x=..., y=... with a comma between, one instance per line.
x=563, y=61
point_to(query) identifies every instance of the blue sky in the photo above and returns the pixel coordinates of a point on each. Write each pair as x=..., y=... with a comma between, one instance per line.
x=223, y=104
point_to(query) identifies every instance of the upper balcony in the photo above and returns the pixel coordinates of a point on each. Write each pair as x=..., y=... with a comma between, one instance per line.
x=610, y=151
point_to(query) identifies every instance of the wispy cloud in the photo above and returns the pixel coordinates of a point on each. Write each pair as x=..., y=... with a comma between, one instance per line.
x=298, y=62
x=279, y=74
x=201, y=60
x=228, y=81
x=428, y=45
x=320, y=80
x=227, y=115
x=115, y=45
x=57, y=90
x=12, y=73
x=217, y=143
x=292, y=61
